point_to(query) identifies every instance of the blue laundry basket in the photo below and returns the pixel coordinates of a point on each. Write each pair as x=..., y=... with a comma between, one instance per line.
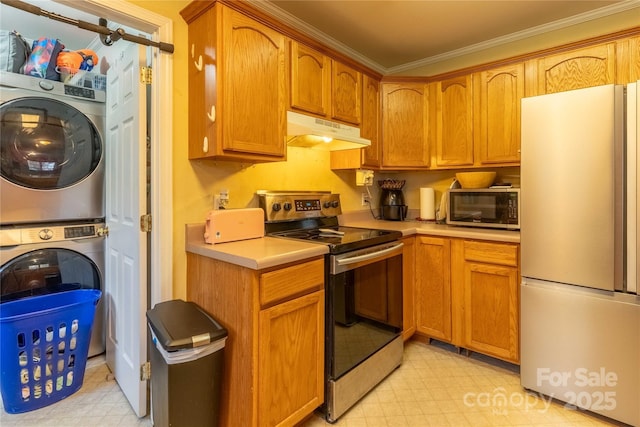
x=45, y=342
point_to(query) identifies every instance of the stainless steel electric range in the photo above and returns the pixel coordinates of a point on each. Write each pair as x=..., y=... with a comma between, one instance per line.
x=363, y=290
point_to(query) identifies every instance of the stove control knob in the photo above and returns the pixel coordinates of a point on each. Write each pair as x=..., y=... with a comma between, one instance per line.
x=276, y=207
x=326, y=205
x=335, y=204
x=287, y=206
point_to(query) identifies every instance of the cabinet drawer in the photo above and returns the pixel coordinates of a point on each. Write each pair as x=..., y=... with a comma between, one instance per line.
x=493, y=253
x=279, y=285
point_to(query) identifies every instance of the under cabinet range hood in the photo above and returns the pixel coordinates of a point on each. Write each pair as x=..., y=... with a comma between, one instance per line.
x=313, y=132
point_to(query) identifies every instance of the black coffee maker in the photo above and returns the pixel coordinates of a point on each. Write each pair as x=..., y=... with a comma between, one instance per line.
x=392, y=205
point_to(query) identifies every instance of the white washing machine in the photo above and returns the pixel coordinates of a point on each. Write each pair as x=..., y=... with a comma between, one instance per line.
x=55, y=258
x=51, y=151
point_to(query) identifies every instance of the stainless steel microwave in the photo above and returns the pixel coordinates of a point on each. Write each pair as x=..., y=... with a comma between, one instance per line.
x=485, y=207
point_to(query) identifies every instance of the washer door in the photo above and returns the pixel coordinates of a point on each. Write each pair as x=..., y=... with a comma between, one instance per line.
x=46, y=271
x=46, y=144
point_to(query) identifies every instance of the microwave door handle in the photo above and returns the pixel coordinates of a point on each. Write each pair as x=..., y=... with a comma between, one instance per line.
x=367, y=257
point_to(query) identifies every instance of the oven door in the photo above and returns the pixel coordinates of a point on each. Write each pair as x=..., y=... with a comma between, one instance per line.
x=364, y=305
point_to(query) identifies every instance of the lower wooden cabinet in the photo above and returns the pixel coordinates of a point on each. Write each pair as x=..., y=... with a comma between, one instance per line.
x=408, y=287
x=467, y=294
x=274, y=354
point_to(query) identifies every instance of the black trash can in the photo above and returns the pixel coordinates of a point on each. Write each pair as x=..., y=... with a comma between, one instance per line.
x=187, y=356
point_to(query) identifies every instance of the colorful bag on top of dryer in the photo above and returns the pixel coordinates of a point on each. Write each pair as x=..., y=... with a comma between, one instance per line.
x=43, y=59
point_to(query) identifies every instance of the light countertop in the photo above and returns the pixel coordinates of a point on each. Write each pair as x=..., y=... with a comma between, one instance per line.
x=256, y=254
x=268, y=252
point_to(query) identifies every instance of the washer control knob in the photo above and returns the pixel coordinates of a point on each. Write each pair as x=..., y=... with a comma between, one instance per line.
x=45, y=234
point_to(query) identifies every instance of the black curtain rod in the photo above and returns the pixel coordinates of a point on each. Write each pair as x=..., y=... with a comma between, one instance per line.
x=107, y=35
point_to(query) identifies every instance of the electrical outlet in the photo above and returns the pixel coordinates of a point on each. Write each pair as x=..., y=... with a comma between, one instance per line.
x=365, y=199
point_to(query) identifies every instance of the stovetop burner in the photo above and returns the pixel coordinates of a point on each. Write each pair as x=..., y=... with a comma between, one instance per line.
x=312, y=216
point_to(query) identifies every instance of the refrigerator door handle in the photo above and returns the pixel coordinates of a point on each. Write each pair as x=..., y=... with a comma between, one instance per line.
x=633, y=185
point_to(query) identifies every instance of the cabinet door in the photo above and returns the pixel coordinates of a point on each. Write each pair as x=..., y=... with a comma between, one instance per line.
x=491, y=310
x=346, y=93
x=202, y=84
x=291, y=360
x=628, y=60
x=577, y=69
x=433, y=287
x=408, y=287
x=496, y=100
x=310, y=80
x=405, y=125
x=370, y=126
x=453, y=125
x=490, y=303
x=253, y=79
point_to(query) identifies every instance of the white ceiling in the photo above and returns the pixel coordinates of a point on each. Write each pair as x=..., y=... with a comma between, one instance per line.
x=394, y=35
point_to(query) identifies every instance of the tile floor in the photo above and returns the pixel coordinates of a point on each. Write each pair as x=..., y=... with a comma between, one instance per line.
x=435, y=386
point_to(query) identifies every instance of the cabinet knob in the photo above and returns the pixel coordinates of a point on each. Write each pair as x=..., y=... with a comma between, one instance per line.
x=205, y=145
x=212, y=115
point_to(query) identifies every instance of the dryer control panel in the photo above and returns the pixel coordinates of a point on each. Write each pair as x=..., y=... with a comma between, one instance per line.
x=12, y=236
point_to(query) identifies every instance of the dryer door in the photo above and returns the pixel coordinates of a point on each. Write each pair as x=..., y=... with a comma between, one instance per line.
x=46, y=144
x=46, y=271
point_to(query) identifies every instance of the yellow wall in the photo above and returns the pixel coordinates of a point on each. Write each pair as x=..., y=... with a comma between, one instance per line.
x=195, y=182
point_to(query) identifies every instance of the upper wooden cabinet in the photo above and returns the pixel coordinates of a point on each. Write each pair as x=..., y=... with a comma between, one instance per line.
x=405, y=125
x=628, y=60
x=324, y=87
x=575, y=69
x=237, y=86
x=453, y=122
x=310, y=80
x=370, y=126
x=496, y=115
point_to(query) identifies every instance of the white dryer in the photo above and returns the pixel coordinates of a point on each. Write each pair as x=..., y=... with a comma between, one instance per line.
x=51, y=151
x=55, y=258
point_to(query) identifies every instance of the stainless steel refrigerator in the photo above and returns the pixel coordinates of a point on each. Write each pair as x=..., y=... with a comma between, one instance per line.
x=580, y=308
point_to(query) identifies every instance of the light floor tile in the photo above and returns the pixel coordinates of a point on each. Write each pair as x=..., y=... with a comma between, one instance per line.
x=435, y=386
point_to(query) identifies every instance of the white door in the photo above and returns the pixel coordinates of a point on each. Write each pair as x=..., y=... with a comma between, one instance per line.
x=126, y=201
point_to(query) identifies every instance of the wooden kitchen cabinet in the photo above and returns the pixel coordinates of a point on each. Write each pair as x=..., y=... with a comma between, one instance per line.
x=453, y=122
x=310, y=80
x=323, y=86
x=467, y=294
x=237, y=85
x=433, y=287
x=369, y=157
x=408, y=287
x=274, y=354
x=497, y=94
x=575, y=69
x=487, y=276
x=628, y=60
x=405, y=125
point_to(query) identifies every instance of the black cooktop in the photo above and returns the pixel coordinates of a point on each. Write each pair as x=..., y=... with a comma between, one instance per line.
x=326, y=231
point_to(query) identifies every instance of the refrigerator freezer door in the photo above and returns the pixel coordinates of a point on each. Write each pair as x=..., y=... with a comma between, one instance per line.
x=568, y=183
x=582, y=346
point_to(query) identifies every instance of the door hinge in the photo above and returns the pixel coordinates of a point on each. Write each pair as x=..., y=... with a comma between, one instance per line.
x=103, y=231
x=145, y=223
x=145, y=371
x=146, y=75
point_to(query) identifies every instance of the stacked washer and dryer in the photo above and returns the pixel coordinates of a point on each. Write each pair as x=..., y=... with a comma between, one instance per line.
x=52, y=202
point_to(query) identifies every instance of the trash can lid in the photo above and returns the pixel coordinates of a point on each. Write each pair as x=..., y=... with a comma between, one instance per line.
x=180, y=324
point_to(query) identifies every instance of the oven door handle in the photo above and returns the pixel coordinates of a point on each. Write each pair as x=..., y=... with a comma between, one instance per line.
x=369, y=256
